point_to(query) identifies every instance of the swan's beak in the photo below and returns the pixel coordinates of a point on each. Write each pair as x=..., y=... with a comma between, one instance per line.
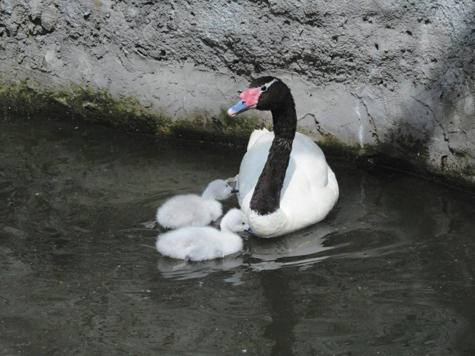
x=238, y=108
x=249, y=99
x=234, y=190
x=249, y=231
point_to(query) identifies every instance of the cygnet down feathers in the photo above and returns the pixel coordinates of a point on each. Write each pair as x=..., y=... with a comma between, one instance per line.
x=205, y=243
x=194, y=210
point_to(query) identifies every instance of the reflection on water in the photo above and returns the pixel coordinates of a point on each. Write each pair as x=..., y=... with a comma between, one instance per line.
x=389, y=272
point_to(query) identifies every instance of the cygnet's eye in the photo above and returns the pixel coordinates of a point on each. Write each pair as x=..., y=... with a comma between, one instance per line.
x=243, y=223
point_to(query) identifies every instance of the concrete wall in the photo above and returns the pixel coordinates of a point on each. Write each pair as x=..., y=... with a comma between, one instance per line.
x=388, y=79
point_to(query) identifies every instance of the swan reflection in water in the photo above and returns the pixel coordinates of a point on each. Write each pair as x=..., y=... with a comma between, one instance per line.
x=302, y=249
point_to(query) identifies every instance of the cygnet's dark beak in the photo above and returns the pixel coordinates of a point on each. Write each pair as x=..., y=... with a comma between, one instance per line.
x=249, y=231
x=234, y=190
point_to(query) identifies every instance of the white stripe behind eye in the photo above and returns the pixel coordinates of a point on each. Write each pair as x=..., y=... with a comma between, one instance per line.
x=267, y=85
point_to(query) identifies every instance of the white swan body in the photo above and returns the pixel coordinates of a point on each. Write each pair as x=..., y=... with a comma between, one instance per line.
x=205, y=243
x=193, y=210
x=285, y=183
x=309, y=192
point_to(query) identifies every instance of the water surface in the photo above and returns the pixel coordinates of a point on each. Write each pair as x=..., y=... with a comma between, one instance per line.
x=389, y=272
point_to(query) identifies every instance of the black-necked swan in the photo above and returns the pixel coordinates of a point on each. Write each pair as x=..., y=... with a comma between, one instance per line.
x=193, y=210
x=205, y=243
x=285, y=183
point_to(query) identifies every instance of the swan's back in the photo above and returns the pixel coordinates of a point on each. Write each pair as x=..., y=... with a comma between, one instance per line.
x=309, y=190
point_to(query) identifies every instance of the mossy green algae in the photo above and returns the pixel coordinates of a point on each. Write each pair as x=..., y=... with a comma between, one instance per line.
x=126, y=114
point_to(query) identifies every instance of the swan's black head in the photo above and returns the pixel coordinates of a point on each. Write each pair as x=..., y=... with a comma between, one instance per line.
x=265, y=93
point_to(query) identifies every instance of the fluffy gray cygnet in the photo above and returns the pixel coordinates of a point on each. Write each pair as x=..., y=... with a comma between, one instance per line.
x=195, y=210
x=205, y=243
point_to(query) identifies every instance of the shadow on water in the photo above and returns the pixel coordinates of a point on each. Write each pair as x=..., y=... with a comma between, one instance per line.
x=389, y=272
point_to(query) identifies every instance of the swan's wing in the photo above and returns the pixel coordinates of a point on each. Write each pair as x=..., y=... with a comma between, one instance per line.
x=310, y=189
x=253, y=163
x=256, y=135
x=307, y=166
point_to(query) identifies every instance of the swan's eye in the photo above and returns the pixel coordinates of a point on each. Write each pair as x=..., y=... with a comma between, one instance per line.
x=244, y=223
x=263, y=88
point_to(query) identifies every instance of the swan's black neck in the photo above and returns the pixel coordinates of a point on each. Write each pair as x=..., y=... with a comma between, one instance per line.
x=266, y=197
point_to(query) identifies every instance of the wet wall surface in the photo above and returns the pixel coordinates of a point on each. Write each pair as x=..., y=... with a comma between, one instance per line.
x=394, y=77
x=389, y=272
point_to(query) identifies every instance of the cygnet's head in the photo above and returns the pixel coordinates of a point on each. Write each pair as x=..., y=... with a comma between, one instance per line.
x=236, y=221
x=218, y=190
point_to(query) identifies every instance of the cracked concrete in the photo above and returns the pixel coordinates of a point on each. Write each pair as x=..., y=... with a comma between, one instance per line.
x=385, y=79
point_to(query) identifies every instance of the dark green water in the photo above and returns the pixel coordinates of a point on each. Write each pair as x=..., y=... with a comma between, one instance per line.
x=389, y=272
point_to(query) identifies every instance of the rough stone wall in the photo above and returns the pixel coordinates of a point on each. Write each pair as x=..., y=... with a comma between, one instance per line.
x=383, y=78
